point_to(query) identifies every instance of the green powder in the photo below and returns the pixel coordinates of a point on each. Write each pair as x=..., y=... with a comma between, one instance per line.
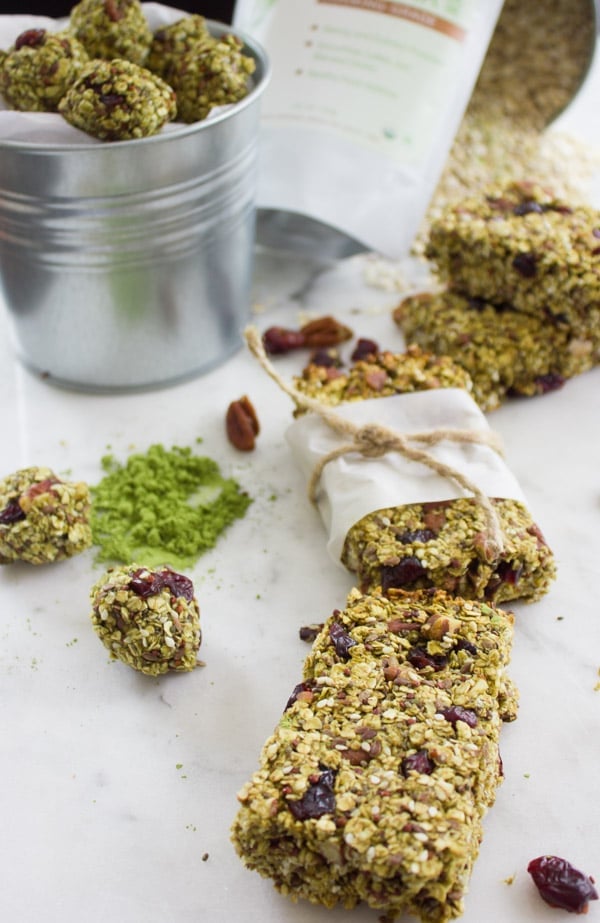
x=162, y=507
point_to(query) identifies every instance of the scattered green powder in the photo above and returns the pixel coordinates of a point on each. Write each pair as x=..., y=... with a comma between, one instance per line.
x=162, y=507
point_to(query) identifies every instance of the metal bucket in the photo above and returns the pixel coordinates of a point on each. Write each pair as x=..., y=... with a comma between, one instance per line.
x=128, y=265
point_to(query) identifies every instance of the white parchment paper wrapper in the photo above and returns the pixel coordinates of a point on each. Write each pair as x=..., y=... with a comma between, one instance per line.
x=49, y=127
x=353, y=486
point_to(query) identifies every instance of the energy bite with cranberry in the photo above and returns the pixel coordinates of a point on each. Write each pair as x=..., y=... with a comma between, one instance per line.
x=148, y=618
x=216, y=74
x=38, y=69
x=170, y=42
x=505, y=352
x=42, y=517
x=375, y=782
x=522, y=246
x=441, y=544
x=117, y=101
x=112, y=29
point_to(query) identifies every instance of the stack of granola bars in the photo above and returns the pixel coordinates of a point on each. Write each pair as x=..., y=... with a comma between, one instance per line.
x=520, y=307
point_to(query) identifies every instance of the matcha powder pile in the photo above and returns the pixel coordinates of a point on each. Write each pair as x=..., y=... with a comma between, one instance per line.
x=162, y=507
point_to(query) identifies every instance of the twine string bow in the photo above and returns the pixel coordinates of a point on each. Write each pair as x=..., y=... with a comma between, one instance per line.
x=373, y=440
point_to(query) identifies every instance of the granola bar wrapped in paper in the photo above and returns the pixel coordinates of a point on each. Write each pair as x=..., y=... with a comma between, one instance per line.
x=411, y=489
x=374, y=784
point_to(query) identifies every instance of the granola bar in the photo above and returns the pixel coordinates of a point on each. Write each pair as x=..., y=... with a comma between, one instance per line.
x=148, y=619
x=441, y=544
x=112, y=29
x=38, y=69
x=118, y=100
x=42, y=518
x=374, y=785
x=506, y=352
x=521, y=246
x=382, y=374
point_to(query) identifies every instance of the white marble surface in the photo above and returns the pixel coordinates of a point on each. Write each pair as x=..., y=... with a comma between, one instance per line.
x=118, y=790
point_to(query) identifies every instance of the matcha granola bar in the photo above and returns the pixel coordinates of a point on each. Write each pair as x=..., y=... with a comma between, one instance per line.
x=441, y=544
x=147, y=618
x=382, y=374
x=112, y=29
x=42, y=517
x=118, y=100
x=37, y=70
x=506, y=352
x=521, y=246
x=374, y=785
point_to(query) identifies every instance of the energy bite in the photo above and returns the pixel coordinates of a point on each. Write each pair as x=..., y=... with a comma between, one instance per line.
x=42, y=518
x=506, y=352
x=147, y=618
x=117, y=101
x=112, y=29
x=382, y=374
x=38, y=69
x=521, y=246
x=209, y=76
x=441, y=544
x=170, y=42
x=374, y=784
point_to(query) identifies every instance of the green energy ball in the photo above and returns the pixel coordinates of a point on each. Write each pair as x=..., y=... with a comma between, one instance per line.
x=39, y=68
x=112, y=29
x=170, y=42
x=213, y=76
x=148, y=618
x=117, y=101
x=42, y=518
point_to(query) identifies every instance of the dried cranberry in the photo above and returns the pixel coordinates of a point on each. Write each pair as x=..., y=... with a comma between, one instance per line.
x=147, y=583
x=300, y=687
x=457, y=713
x=12, y=512
x=561, y=885
x=525, y=264
x=406, y=571
x=528, y=207
x=112, y=100
x=463, y=645
x=420, y=658
x=509, y=574
x=418, y=535
x=326, y=358
x=281, y=340
x=417, y=762
x=550, y=382
x=363, y=349
x=341, y=640
x=318, y=799
x=309, y=632
x=30, y=38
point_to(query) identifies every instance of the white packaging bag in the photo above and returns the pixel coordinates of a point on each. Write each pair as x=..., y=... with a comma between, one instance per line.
x=364, y=103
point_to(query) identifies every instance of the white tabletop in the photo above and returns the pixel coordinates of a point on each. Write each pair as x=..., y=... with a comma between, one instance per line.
x=119, y=789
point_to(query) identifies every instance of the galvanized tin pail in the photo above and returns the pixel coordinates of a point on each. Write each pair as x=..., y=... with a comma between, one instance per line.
x=128, y=264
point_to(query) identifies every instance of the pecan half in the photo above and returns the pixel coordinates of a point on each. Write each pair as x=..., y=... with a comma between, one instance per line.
x=242, y=424
x=325, y=331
